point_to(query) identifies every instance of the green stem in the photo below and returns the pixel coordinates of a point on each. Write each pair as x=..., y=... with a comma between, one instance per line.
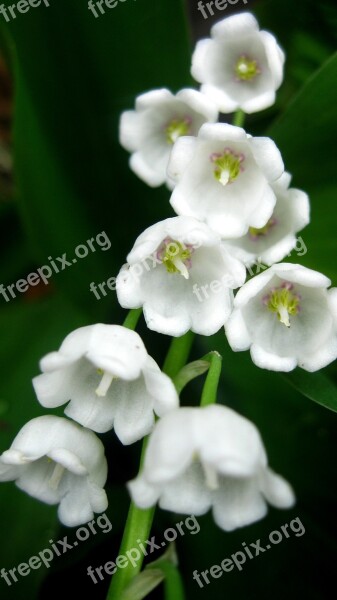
x=178, y=354
x=239, y=118
x=132, y=318
x=139, y=522
x=210, y=389
x=173, y=585
x=138, y=526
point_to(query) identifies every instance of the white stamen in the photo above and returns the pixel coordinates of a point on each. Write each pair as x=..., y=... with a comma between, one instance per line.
x=211, y=477
x=174, y=136
x=104, y=384
x=181, y=267
x=56, y=476
x=284, y=315
x=224, y=177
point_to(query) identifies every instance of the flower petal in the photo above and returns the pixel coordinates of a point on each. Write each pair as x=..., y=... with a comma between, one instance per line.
x=268, y=157
x=260, y=102
x=275, y=56
x=276, y=490
x=181, y=155
x=236, y=449
x=117, y=350
x=187, y=494
x=322, y=357
x=75, y=507
x=272, y=362
x=237, y=503
x=160, y=387
x=143, y=493
x=171, y=446
x=134, y=416
x=199, y=103
x=235, y=26
x=153, y=99
x=154, y=177
x=236, y=332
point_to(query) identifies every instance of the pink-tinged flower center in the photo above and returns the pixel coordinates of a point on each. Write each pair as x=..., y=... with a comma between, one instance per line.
x=176, y=256
x=283, y=301
x=228, y=165
x=256, y=234
x=176, y=128
x=246, y=69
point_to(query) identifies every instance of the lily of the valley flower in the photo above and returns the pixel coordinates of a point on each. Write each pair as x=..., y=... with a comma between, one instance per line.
x=110, y=380
x=160, y=118
x=59, y=462
x=287, y=317
x=240, y=66
x=277, y=238
x=223, y=178
x=168, y=265
x=202, y=458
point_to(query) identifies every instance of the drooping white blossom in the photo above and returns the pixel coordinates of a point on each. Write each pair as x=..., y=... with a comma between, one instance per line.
x=160, y=118
x=110, y=380
x=239, y=67
x=59, y=462
x=181, y=275
x=277, y=238
x=202, y=458
x=224, y=178
x=287, y=317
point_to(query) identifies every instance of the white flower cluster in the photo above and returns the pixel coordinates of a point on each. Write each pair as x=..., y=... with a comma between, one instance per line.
x=234, y=204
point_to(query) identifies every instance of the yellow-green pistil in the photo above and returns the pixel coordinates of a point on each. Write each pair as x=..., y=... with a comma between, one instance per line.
x=176, y=257
x=284, y=302
x=246, y=69
x=227, y=166
x=177, y=128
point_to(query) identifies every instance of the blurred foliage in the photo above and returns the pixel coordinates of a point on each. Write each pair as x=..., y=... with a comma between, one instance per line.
x=73, y=75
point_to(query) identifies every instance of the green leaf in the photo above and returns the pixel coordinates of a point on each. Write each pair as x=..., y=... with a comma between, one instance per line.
x=315, y=386
x=74, y=75
x=164, y=569
x=306, y=135
x=143, y=584
x=189, y=372
x=306, y=132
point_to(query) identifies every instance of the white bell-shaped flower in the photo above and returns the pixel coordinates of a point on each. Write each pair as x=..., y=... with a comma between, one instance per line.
x=202, y=458
x=287, y=317
x=160, y=118
x=59, y=462
x=223, y=178
x=239, y=67
x=277, y=238
x=182, y=276
x=110, y=380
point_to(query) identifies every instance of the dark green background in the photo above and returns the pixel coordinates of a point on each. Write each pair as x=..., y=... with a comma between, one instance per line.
x=73, y=75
